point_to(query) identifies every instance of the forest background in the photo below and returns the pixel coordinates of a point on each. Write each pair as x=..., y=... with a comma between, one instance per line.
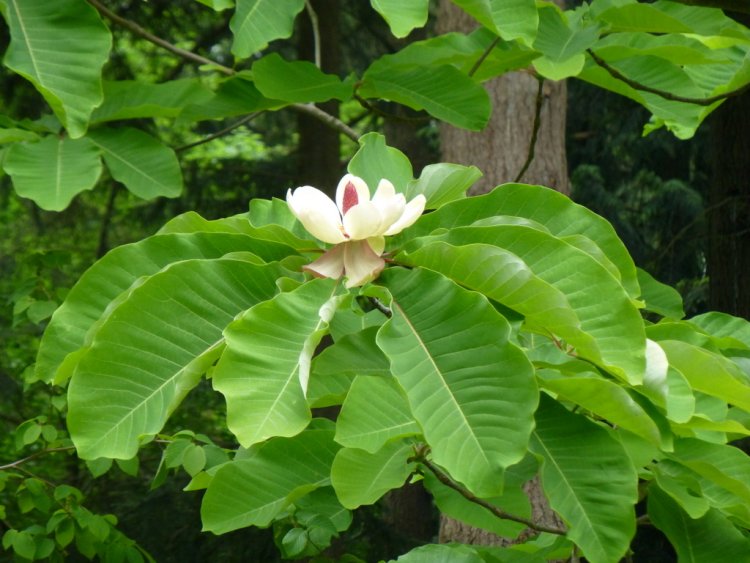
x=656, y=190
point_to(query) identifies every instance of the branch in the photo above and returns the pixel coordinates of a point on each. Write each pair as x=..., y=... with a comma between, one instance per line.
x=468, y=495
x=661, y=93
x=535, y=130
x=309, y=109
x=20, y=462
x=247, y=119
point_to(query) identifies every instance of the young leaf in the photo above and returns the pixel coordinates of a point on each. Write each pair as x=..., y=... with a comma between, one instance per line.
x=255, y=23
x=361, y=477
x=375, y=411
x=471, y=391
x=54, y=170
x=265, y=369
x=588, y=479
x=60, y=47
x=252, y=491
x=375, y=161
x=146, y=167
x=149, y=351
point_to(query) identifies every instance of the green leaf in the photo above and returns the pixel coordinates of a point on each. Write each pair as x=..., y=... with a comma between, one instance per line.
x=147, y=168
x=353, y=354
x=402, y=17
x=641, y=17
x=446, y=347
x=443, y=183
x=563, y=41
x=725, y=326
x=234, y=96
x=709, y=373
x=131, y=99
x=297, y=81
x=612, y=320
x=375, y=411
x=54, y=170
x=441, y=553
x=264, y=372
x=255, y=23
x=551, y=209
x=660, y=298
x=360, y=477
x=701, y=540
x=588, y=479
x=148, y=352
x=603, y=397
x=511, y=19
x=323, y=502
x=117, y=271
x=441, y=90
x=375, y=161
x=253, y=491
x=61, y=48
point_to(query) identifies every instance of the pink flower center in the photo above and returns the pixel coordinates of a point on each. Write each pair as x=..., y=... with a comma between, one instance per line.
x=350, y=197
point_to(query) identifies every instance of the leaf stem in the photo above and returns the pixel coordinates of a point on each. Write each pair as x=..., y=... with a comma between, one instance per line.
x=535, y=128
x=662, y=93
x=421, y=457
x=316, y=32
x=239, y=123
x=483, y=56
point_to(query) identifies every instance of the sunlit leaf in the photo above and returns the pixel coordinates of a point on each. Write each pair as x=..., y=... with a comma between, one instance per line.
x=297, y=81
x=401, y=16
x=255, y=23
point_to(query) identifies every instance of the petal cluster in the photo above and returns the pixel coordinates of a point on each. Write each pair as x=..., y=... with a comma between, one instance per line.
x=356, y=223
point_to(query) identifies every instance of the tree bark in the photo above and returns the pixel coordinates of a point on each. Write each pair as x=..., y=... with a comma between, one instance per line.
x=729, y=202
x=500, y=151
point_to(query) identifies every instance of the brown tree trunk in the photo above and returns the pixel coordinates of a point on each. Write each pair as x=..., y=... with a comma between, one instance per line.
x=729, y=202
x=501, y=151
x=318, y=151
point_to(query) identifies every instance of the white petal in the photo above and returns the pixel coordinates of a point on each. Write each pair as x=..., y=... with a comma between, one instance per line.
x=391, y=209
x=330, y=265
x=317, y=213
x=361, y=264
x=363, y=192
x=363, y=221
x=377, y=244
x=412, y=212
x=385, y=190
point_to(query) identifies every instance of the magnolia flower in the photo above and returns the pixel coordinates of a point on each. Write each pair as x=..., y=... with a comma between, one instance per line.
x=355, y=223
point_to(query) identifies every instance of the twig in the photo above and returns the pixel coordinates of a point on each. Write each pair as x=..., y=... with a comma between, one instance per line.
x=535, y=129
x=309, y=109
x=19, y=462
x=247, y=119
x=481, y=59
x=138, y=30
x=468, y=495
x=381, y=307
x=661, y=93
x=316, y=32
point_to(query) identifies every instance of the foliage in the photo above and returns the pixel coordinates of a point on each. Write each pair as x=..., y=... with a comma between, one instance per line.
x=506, y=340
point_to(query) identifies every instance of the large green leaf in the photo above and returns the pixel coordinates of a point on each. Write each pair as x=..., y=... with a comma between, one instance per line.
x=146, y=167
x=443, y=183
x=511, y=19
x=353, y=354
x=253, y=490
x=265, y=369
x=709, y=373
x=441, y=90
x=375, y=411
x=297, y=81
x=234, y=96
x=563, y=41
x=735, y=330
x=589, y=481
x=362, y=477
x=60, y=47
x=117, y=271
x=611, y=319
x=401, y=16
x=52, y=171
x=660, y=298
x=375, y=161
x=471, y=391
x=257, y=22
x=129, y=99
x=149, y=351
x=551, y=209
x=708, y=539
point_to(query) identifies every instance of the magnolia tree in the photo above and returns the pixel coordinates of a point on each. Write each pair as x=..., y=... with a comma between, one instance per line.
x=473, y=344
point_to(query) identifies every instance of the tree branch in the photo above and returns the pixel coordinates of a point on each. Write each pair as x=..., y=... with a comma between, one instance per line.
x=239, y=123
x=468, y=495
x=662, y=93
x=19, y=462
x=535, y=130
x=309, y=109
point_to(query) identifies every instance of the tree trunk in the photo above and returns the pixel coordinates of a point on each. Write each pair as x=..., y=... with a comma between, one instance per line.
x=500, y=151
x=318, y=151
x=729, y=202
